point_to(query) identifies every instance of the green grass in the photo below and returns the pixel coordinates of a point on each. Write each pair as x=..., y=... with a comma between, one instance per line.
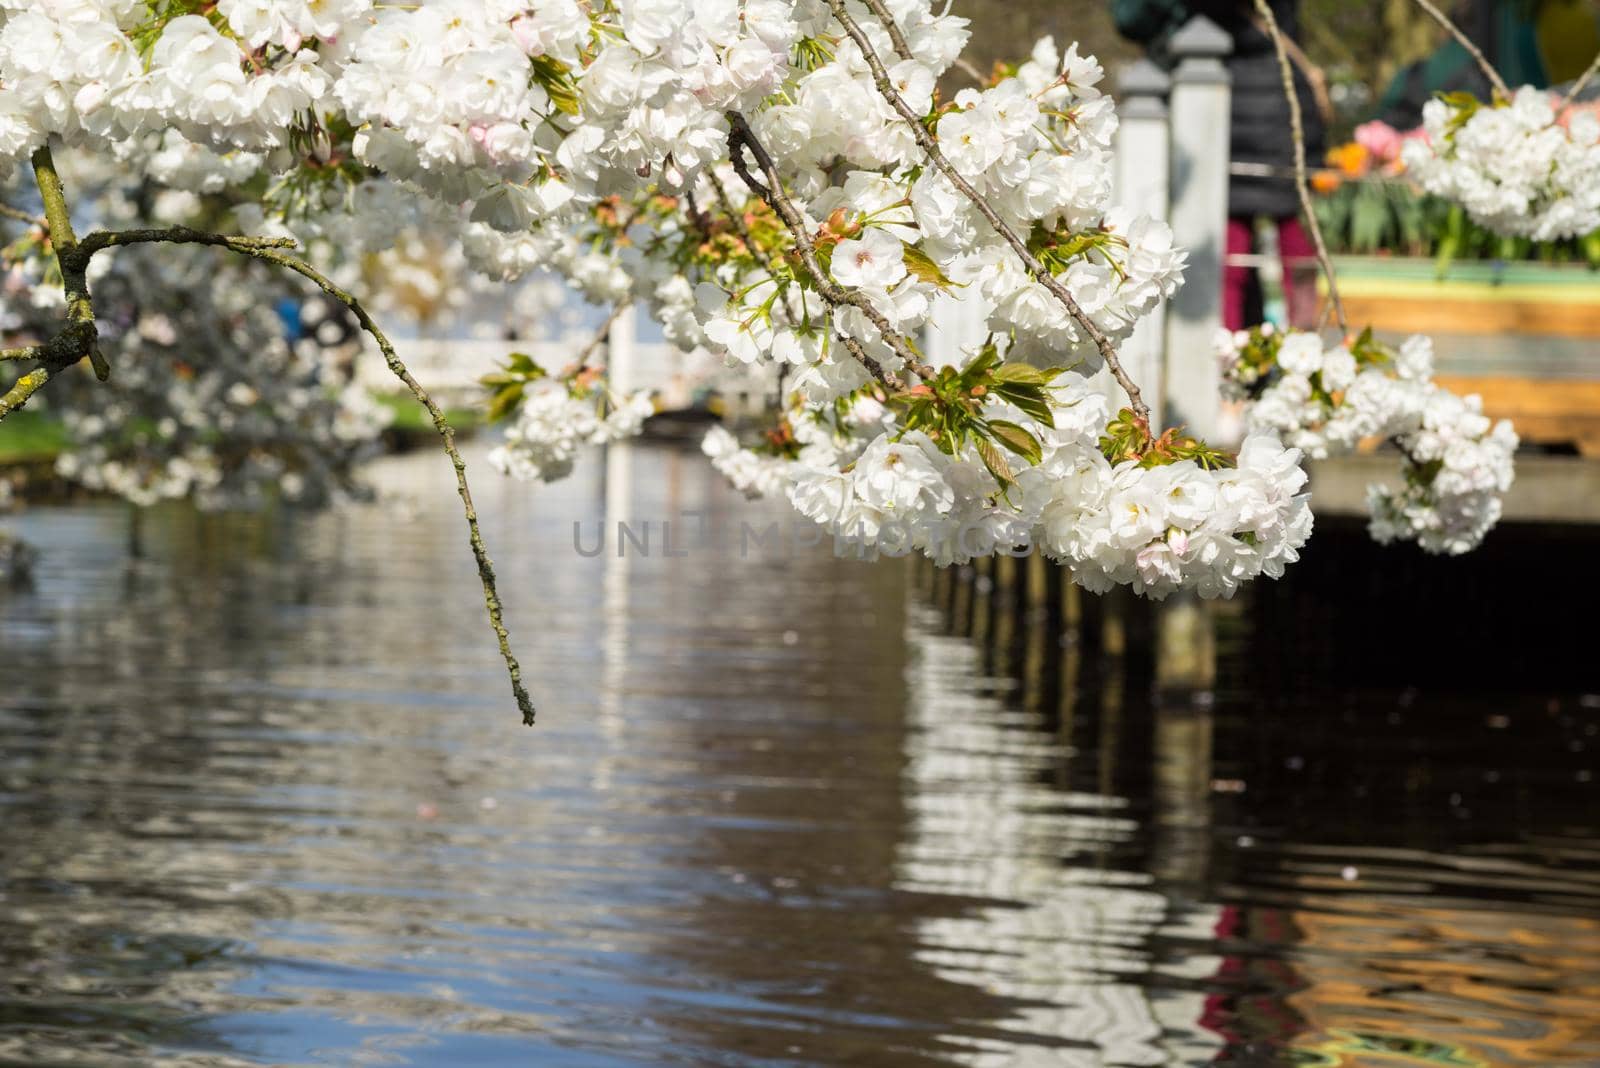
x=411, y=418
x=30, y=435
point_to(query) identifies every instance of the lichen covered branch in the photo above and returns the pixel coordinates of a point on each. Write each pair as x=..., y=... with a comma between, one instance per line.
x=78, y=338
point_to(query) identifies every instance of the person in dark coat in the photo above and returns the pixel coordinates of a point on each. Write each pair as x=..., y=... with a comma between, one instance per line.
x=1260, y=142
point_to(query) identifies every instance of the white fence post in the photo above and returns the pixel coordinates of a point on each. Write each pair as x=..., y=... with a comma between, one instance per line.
x=1142, y=159
x=622, y=351
x=1200, y=150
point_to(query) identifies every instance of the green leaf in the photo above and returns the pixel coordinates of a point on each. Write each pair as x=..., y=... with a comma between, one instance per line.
x=505, y=402
x=921, y=265
x=1031, y=399
x=986, y=358
x=996, y=463
x=1024, y=373
x=1450, y=244
x=1369, y=220
x=1017, y=439
x=556, y=80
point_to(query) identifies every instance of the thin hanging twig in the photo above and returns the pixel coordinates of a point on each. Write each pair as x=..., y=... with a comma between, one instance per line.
x=1580, y=85
x=1466, y=42
x=1302, y=182
x=78, y=338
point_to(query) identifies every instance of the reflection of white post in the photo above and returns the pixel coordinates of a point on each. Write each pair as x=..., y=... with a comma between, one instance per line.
x=1074, y=944
x=622, y=374
x=617, y=489
x=1200, y=132
x=1142, y=160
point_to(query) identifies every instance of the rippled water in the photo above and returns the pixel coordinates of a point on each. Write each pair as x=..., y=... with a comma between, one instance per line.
x=266, y=801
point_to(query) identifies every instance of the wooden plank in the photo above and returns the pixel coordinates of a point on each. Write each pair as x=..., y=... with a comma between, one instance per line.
x=1543, y=410
x=1442, y=314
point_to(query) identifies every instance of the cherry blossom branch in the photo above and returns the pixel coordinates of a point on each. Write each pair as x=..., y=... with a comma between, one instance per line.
x=930, y=146
x=1302, y=182
x=740, y=136
x=79, y=338
x=1466, y=42
x=892, y=28
x=1580, y=85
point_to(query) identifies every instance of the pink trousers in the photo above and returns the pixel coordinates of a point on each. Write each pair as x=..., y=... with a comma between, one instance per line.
x=1241, y=287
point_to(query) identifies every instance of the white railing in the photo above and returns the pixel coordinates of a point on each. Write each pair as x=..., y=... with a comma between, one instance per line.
x=450, y=368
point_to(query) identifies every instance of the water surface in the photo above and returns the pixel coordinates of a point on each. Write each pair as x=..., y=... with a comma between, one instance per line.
x=266, y=801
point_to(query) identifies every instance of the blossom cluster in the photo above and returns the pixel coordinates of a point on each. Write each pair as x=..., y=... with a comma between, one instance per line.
x=1034, y=146
x=556, y=415
x=95, y=70
x=1521, y=168
x=1157, y=522
x=1325, y=399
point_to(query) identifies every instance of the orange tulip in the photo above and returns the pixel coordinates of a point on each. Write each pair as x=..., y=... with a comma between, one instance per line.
x=1352, y=159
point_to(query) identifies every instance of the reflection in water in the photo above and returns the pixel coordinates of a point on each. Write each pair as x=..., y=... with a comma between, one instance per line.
x=265, y=802
x=1067, y=934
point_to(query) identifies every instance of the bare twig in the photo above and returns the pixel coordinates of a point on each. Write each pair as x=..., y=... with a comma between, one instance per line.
x=22, y=216
x=178, y=235
x=740, y=136
x=603, y=334
x=24, y=388
x=1302, y=182
x=1580, y=85
x=929, y=145
x=967, y=67
x=1466, y=42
